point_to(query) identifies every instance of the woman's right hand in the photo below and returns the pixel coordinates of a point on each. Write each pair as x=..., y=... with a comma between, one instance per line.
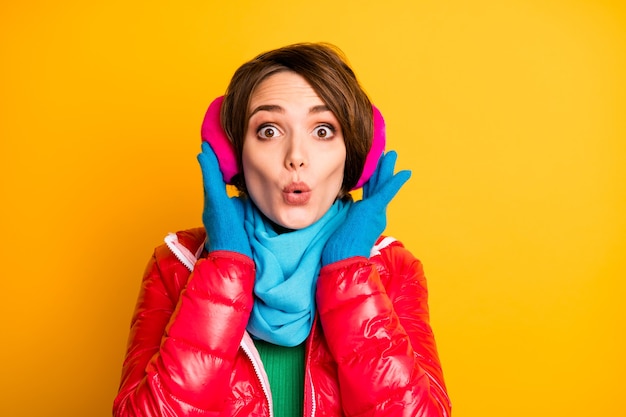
x=223, y=216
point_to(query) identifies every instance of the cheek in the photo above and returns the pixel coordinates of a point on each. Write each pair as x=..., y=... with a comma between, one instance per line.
x=335, y=174
x=339, y=164
x=245, y=158
x=248, y=164
x=249, y=156
x=256, y=169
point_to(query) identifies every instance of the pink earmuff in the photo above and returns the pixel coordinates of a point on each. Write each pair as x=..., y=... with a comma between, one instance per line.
x=213, y=133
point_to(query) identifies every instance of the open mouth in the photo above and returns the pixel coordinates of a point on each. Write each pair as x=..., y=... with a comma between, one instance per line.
x=296, y=194
x=296, y=188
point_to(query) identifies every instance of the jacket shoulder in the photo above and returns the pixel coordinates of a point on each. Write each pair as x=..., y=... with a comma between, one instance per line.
x=187, y=244
x=192, y=239
x=388, y=249
x=173, y=260
x=397, y=266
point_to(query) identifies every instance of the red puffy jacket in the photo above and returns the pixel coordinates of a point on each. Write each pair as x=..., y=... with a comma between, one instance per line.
x=371, y=351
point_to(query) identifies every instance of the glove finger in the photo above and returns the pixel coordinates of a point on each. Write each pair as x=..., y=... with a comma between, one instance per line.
x=366, y=189
x=384, y=171
x=205, y=163
x=211, y=174
x=372, y=183
x=391, y=187
x=387, y=166
x=387, y=191
x=208, y=158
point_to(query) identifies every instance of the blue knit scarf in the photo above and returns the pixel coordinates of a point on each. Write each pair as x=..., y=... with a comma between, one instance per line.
x=287, y=267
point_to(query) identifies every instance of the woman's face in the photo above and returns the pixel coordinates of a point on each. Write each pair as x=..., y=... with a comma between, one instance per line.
x=293, y=152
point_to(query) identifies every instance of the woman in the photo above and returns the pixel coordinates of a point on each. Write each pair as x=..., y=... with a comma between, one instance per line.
x=288, y=301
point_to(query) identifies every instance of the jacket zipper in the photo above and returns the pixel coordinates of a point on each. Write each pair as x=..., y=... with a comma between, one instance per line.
x=312, y=388
x=181, y=253
x=309, y=378
x=256, y=365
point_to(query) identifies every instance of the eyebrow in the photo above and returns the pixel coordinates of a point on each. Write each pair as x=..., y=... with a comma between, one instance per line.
x=277, y=109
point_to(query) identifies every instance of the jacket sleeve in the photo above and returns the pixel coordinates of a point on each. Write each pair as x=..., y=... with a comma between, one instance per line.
x=376, y=324
x=179, y=358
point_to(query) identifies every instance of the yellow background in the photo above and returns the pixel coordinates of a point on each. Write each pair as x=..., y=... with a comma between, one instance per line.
x=509, y=113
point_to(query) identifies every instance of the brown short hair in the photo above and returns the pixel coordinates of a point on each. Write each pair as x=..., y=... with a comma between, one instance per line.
x=325, y=68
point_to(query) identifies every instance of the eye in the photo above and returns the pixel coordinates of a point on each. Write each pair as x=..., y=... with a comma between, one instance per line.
x=324, y=131
x=268, y=132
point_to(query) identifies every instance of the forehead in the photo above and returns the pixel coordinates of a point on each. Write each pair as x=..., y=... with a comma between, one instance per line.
x=283, y=87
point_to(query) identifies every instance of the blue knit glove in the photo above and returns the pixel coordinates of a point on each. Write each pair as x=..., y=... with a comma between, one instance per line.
x=223, y=216
x=367, y=218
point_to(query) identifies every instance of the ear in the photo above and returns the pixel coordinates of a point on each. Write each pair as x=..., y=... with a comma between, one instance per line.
x=213, y=133
x=377, y=149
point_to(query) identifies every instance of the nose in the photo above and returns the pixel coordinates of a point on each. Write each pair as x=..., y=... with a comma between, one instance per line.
x=296, y=155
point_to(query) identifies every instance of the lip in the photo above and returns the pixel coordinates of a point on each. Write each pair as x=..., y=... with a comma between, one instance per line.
x=296, y=194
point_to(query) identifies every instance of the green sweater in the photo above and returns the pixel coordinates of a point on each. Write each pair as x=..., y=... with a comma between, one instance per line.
x=285, y=369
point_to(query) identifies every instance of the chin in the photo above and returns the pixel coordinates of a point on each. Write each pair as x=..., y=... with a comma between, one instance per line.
x=296, y=222
x=294, y=225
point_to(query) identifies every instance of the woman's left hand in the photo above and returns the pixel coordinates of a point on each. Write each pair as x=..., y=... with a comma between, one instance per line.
x=367, y=218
